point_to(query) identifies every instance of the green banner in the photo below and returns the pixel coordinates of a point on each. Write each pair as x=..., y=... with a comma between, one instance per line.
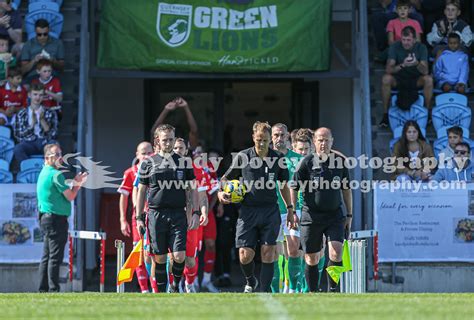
x=215, y=35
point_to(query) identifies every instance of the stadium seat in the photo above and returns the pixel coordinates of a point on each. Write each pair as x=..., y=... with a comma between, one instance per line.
x=6, y=149
x=28, y=176
x=32, y=163
x=448, y=115
x=417, y=112
x=59, y=2
x=55, y=20
x=37, y=156
x=5, y=132
x=39, y=5
x=5, y=175
x=451, y=98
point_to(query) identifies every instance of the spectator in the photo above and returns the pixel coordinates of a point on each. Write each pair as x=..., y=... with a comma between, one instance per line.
x=413, y=147
x=407, y=70
x=13, y=97
x=455, y=135
x=41, y=47
x=35, y=126
x=395, y=26
x=438, y=37
x=380, y=19
x=52, y=86
x=458, y=168
x=7, y=60
x=11, y=26
x=451, y=70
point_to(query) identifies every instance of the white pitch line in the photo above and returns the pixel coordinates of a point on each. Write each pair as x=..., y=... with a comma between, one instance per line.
x=274, y=307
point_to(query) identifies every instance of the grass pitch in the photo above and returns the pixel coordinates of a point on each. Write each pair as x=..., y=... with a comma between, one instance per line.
x=236, y=306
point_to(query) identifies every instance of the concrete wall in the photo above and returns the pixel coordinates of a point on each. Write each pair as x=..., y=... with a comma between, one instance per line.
x=24, y=277
x=453, y=277
x=118, y=121
x=335, y=111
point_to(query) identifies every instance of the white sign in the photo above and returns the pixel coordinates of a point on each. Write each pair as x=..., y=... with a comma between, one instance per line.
x=21, y=240
x=428, y=225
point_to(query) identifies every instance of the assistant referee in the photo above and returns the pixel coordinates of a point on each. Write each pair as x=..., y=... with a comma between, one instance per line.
x=170, y=192
x=54, y=205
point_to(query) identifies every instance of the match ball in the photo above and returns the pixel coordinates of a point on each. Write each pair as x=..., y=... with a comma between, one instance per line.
x=236, y=189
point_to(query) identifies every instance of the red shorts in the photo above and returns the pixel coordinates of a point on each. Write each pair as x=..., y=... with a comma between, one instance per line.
x=210, y=230
x=192, y=243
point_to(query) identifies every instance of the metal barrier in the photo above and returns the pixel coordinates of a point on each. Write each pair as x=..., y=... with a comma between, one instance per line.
x=120, y=245
x=356, y=280
x=88, y=235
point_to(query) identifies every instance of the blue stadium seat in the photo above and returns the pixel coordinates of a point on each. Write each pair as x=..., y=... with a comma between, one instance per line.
x=37, y=156
x=451, y=98
x=397, y=117
x=5, y=132
x=39, y=5
x=28, y=176
x=55, y=20
x=6, y=149
x=448, y=115
x=32, y=163
x=5, y=175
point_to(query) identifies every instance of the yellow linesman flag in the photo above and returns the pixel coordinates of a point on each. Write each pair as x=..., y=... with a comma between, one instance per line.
x=133, y=261
x=336, y=271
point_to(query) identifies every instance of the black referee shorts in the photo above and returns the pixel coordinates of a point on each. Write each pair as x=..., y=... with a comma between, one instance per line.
x=167, y=229
x=257, y=224
x=312, y=234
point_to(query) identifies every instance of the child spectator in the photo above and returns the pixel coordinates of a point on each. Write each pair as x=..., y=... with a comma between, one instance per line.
x=451, y=70
x=52, y=86
x=7, y=60
x=438, y=37
x=395, y=26
x=454, y=137
x=13, y=97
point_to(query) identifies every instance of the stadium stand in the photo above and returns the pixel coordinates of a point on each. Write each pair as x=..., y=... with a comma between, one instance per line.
x=48, y=10
x=6, y=149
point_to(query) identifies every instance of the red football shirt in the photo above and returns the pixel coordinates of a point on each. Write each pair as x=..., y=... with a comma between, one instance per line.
x=206, y=179
x=52, y=85
x=8, y=98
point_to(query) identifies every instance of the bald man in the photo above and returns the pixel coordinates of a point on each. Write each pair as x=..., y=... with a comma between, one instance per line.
x=323, y=179
x=144, y=149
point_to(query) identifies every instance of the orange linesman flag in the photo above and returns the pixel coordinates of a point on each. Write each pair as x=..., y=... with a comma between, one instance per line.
x=133, y=261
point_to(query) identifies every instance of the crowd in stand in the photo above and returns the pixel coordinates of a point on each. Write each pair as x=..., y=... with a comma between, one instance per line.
x=438, y=63
x=30, y=90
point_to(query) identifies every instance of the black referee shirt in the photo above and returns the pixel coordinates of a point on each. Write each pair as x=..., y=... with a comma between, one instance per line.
x=166, y=179
x=264, y=173
x=321, y=184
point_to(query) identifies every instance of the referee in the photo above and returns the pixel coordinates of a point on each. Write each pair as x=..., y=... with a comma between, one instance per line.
x=324, y=181
x=54, y=204
x=167, y=178
x=259, y=219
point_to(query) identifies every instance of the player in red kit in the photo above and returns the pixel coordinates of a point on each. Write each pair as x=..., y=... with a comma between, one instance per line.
x=207, y=179
x=144, y=150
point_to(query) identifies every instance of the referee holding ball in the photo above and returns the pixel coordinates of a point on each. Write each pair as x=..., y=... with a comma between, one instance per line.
x=259, y=219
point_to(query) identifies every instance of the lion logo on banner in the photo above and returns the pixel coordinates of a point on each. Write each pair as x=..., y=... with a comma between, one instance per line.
x=173, y=23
